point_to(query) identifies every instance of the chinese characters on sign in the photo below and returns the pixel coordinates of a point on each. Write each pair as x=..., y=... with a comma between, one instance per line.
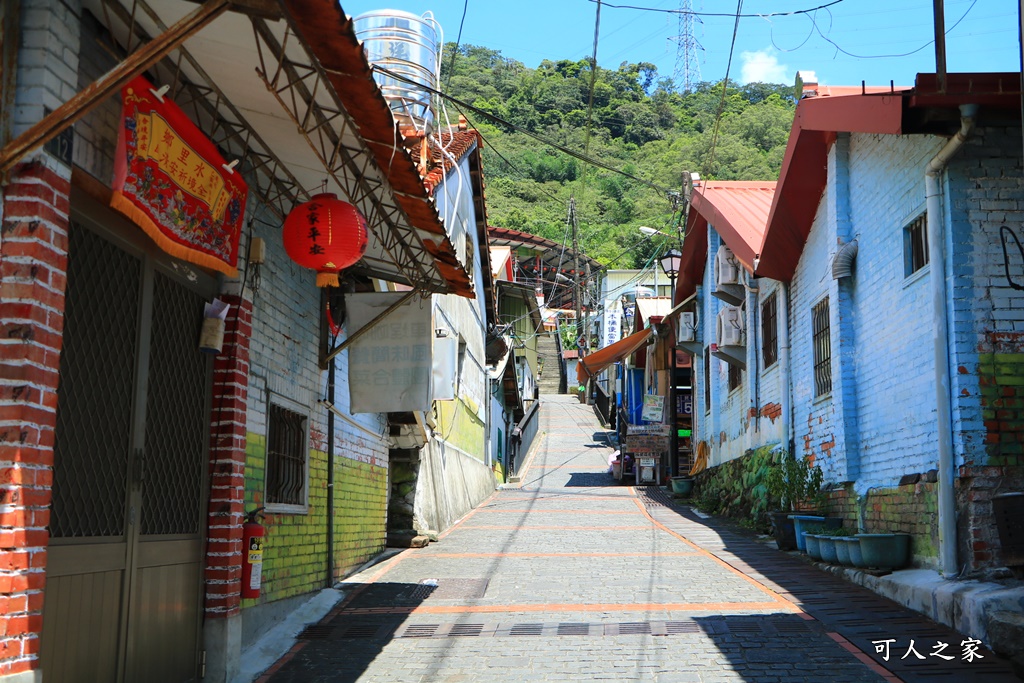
x=389, y=366
x=171, y=181
x=968, y=652
x=612, y=331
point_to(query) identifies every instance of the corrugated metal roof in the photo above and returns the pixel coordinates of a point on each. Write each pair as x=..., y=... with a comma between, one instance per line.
x=738, y=210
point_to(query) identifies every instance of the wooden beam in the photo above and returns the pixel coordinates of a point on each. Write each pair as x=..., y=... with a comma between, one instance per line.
x=110, y=83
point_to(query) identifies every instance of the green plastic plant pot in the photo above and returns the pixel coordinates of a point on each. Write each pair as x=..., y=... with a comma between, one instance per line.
x=843, y=550
x=682, y=485
x=853, y=545
x=885, y=551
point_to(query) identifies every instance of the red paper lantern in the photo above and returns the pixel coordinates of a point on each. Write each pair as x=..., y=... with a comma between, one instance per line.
x=325, y=234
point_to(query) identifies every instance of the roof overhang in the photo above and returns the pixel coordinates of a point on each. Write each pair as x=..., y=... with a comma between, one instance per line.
x=288, y=89
x=925, y=108
x=599, y=360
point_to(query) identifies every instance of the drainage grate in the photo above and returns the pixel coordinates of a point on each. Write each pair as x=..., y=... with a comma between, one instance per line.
x=419, y=631
x=633, y=628
x=744, y=627
x=526, y=630
x=364, y=630
x=792, y=627
x=316, y=632
x=460, y=630
x=574, y=629
x=674, y=627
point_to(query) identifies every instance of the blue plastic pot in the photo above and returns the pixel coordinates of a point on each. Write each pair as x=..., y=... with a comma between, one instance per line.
x=827, y=545
x=811, y=543
x=843, y=550
x=853, y=545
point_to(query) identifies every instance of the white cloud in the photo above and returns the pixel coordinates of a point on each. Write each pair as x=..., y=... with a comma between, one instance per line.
x=763, y=66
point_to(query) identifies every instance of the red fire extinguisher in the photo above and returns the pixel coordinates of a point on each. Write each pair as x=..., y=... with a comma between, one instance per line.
x=252, y=554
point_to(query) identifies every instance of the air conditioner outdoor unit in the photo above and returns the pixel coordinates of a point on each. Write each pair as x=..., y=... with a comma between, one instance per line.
x=727, y=268
x=687, y=327
x=728, y=287
x=730, y=327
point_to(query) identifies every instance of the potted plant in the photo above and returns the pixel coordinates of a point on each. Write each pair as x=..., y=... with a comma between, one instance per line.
x=792, y=482
x=844, y=538
x=885, y=551
x=811, y=540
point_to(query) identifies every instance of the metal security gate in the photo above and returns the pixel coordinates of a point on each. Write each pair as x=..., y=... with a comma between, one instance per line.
x=124, y=570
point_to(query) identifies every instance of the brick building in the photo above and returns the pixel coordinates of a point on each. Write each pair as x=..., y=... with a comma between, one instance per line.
x=868, y=296
x=128, y=455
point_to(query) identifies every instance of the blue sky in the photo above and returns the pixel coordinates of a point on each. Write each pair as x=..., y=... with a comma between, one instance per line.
x=767, y=48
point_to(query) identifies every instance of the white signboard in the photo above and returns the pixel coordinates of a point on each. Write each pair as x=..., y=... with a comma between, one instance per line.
x=389, y=366
x=612, y=323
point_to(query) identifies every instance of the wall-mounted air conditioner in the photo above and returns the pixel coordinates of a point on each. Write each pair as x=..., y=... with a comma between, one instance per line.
x=730, y=328
x=727, y=268
x=687, y=331
x=728, y=287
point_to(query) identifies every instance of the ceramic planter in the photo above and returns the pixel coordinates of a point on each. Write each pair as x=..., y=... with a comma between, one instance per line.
x=885, y=551
x=843, y=544
x=801, y=522
x=784, y=529
x=853, y=546
x=682, y=485
x=813, y=546
x=827, y=546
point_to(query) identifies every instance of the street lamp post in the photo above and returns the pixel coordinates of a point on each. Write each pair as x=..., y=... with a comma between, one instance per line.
x=670, y=263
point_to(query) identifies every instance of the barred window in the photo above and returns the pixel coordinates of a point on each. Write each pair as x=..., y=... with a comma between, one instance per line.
x=286, y=458
x=915, y=246
x=770, y=330
x=822, y=348
x=707, y=379
x=735, y=376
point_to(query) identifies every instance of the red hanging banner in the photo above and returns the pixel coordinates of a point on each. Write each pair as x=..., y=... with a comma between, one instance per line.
x=171, y=181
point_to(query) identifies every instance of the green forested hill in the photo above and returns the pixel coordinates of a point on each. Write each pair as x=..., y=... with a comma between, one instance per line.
x=640, y=125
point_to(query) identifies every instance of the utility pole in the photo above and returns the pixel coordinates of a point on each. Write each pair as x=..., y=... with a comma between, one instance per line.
x=576, y=262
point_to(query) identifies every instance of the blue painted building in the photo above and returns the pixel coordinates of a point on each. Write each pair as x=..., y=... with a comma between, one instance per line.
x=892, y=253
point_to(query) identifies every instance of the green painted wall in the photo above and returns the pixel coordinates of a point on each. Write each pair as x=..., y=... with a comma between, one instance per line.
x=295, y=550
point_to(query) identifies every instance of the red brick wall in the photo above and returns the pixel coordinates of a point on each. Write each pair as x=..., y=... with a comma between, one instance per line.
x=227, y=463
x=33, y=262
x=978, y=538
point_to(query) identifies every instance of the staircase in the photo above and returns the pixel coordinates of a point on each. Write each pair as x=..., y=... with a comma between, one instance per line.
x=547, y=349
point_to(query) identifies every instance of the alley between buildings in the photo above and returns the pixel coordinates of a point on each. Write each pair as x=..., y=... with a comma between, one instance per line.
x=570, y=577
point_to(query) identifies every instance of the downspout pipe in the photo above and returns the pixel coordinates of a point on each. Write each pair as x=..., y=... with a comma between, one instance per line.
x=329, y=578
x=943, y=403
x=784, y=368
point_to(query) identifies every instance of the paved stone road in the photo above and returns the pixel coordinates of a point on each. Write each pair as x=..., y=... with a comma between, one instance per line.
x=574, y=578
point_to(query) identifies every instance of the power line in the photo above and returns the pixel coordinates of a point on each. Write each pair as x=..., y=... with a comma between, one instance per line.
x=551, y=143
x=721, y=14
x=725, y=87
x=455, y=52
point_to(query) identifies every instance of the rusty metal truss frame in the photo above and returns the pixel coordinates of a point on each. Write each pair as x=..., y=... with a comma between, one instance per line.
x=352, y=167
x=297, y=86
x=267, y=176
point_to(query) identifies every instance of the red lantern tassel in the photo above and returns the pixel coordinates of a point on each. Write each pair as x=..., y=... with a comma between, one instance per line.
x=327, y=279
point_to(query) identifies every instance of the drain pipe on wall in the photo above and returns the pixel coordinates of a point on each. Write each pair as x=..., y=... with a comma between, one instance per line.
x=784, y=369
x=943, y=408
x=329, y=578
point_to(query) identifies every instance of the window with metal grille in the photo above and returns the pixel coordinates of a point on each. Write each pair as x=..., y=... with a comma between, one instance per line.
x=735, y=376
x=822, y=349
x=707, y=379
x=286, y=458
x=769, y=331
x=915, y=246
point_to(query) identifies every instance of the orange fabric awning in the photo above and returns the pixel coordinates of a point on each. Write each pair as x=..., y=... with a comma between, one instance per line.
x=599, y=360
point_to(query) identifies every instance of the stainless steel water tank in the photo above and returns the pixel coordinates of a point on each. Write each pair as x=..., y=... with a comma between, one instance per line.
x=404, y=44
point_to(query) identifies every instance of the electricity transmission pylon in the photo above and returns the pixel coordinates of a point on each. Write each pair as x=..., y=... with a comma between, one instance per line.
x=687, y=71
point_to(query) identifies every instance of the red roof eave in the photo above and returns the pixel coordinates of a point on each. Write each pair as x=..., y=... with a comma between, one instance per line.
x=804, y=171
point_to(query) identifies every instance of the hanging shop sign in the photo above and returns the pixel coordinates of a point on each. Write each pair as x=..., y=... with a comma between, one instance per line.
x=389, y=366
x=326, y=235
x=171, y=181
